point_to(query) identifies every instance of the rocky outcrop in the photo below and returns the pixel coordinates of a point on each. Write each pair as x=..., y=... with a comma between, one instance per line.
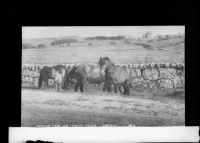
x=152, y=75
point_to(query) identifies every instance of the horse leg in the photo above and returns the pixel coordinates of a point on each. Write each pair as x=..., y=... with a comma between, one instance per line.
x=76, y=86
x=64, y=85
x=55, y=86
x=104, y=87
x=47, y=83
x=59, y=88
x=82, y=86
x=67, y=85
x=120, y=89
x=115, y=88
x=127, y=85
x=125, y=90
x=85, y=83
x=42, y=86
x=108, y=87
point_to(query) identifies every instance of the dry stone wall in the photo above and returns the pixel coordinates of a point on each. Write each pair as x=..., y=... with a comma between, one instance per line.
x=162, y=75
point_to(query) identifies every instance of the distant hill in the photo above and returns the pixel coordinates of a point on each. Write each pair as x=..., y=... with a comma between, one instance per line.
x=48, y=41
x=30, y=46
x=71, y=41
x=36, y=41
x=105, y=38
x=63, y=41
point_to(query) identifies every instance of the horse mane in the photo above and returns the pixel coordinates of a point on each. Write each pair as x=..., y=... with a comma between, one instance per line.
x=111, y=62
x=107, y=58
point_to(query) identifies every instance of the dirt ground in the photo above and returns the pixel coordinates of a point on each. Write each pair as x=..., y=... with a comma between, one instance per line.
x=96, y=108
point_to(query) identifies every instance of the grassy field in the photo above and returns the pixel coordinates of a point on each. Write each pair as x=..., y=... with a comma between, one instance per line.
x=141, y=108
x=121, y=52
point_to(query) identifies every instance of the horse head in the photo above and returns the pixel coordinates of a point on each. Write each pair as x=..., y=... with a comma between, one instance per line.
x=104, y=62
x=72, y=74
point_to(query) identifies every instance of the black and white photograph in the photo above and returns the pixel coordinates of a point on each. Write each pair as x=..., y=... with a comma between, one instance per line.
x=99, y=76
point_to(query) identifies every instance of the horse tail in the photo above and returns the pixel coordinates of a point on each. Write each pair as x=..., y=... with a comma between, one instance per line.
x=40, y=80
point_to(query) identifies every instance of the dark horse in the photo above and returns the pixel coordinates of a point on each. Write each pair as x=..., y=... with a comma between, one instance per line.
x=47, y=73
x=84, y=73
x=69, y=79
x=116, y=75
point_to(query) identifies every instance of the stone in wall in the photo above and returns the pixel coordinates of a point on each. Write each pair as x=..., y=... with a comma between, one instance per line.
x=183, y=81
x=138, y=82
x=167, y=73
x=150, y=74
x=23, y=67
x=25, y=79
x=25, y=72
x=135, y=66
x=130, y=66
x=135, y=73
x=32, y=74
x=179, y=82
x=26, y=85
x=153, y=84
x=151, y=65
x=141, y=83
x=172, y=65
x=180, y=72
x=166, y=65
x=165, y=83
x=30, y=79
x=29, y=67
x=35, y=82
x=179, y=66
x=145, y=84
x=140, y=66
x=135, y=82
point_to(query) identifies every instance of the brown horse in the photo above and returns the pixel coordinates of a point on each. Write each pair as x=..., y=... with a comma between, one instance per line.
x=47, y=73
x=118, y=76
x=84, y=73
x=69, y=79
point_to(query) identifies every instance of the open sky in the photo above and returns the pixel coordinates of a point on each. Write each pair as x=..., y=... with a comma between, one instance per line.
x=86, y=31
